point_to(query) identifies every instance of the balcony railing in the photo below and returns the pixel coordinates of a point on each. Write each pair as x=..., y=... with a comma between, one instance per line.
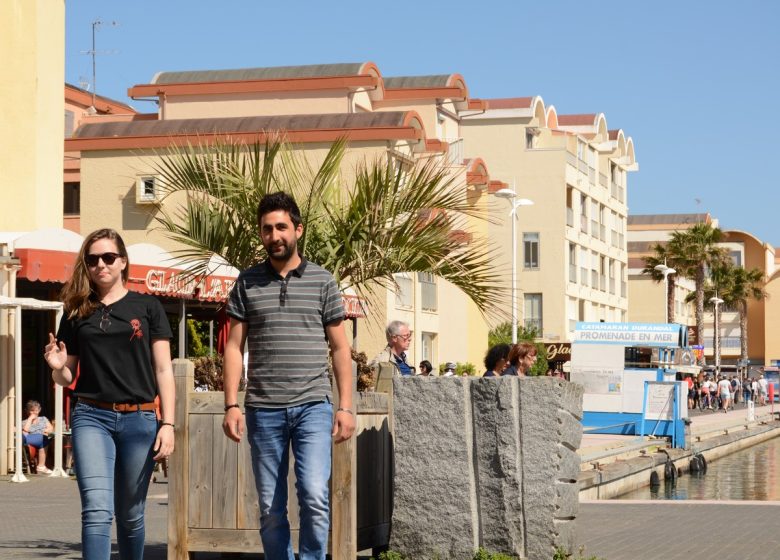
x=603, y=181
x=583, y=223
x=535, y=324
x=455, y=151
x=725, y=342
x=573, y=273
x=584, y=276
x=571, y=159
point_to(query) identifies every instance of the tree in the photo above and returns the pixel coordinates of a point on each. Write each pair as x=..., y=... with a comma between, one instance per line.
x=742, y=286
x=387, y=220
x=662, y=256
x=694, y=251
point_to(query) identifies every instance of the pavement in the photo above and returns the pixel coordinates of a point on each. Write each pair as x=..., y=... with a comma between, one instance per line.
x=40, y=519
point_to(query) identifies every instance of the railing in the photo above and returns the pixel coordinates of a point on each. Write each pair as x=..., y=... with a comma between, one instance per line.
x=594, y=228
x=573, y=273
x=535, y=324
x=582, y=166
x=455, y=152
x=725, y=342
x=569, y=217
x=592, y=175
x=612, y=286
x=571, y=159
x=584, y=276
x=594, y=279
x=583, y=223
x=603, y=180
x=603, y=233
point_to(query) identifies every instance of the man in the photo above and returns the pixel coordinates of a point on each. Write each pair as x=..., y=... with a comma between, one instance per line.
x=449, y=369
x=399, y=337
x=289, y=311
x=763, y=386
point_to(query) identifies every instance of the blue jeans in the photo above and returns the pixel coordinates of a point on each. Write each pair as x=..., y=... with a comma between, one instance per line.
x=113, y=455
x=271, y=431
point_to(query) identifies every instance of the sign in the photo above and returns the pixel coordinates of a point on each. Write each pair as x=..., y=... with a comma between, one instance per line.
x=628, y=334
x=660, y=401
x=558, y=352
x=173, y=283
x=598, y=380
x=693, y=335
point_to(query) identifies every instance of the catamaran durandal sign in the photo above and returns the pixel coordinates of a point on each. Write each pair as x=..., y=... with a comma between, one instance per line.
x=628, y=334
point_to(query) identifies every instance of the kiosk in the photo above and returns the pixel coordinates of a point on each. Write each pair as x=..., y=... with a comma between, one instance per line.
x=629, y=372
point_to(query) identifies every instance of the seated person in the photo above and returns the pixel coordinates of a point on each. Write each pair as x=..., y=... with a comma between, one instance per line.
x=35, y=432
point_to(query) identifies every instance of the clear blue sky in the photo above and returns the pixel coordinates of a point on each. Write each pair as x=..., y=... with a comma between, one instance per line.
x=694, y=83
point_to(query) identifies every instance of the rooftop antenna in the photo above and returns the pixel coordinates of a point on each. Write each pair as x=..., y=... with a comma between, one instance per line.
x=93, y=51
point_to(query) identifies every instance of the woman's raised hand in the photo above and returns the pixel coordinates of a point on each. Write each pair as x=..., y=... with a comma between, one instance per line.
x=55, y=353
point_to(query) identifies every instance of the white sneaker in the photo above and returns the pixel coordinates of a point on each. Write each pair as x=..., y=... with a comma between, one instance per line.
x=44, y=470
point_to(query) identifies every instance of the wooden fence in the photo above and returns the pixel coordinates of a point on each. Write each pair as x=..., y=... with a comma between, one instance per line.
x=212, y=500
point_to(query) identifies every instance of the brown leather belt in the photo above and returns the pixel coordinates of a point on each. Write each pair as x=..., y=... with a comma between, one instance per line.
x=120, y=407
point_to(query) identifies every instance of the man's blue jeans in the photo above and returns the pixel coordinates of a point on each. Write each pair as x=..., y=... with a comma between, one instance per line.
x=113, y=455
x=271, y=431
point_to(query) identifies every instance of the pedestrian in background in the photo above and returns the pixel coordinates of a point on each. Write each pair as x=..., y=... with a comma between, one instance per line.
x=521, y=358
x=496, y=360
x=119, y=341
x=425, y=368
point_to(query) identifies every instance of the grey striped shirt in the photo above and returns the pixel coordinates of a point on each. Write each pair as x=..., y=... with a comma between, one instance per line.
x=286, y=341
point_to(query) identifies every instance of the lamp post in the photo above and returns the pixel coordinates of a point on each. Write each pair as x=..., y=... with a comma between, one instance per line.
x=716, y=301
x=666, y=271
x=516, y=203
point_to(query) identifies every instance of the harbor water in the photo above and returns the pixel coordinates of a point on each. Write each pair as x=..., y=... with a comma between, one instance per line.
x=749, y=474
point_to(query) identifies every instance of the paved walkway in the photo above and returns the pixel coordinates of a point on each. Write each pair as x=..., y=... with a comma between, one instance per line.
x=40, y=519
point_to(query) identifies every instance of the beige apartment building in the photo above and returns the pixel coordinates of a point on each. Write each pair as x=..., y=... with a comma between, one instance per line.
x=571, y=259
x=407, y=119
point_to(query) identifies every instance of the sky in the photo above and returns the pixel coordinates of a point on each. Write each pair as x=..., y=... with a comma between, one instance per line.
x=694, y=83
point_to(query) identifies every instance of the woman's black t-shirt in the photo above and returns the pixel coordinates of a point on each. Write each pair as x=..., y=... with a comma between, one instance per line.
x=115, y=362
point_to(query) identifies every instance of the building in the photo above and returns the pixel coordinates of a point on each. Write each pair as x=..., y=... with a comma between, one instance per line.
x=406, y=119
x=571, y=259
x=647, y=298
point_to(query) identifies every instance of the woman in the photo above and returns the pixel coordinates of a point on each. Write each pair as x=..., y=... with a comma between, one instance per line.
x=496, y=360
x=119, y=340
x=35, y=432
x=425, y=368
x=521, y=358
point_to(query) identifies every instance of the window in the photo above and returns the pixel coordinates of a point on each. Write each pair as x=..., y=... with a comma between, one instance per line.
x=603, y=273
x=569, y=206
x=594, y=217
x=404, y=291
x=584, y=213
x=71, y=199
x=532, y=312
x=580, y=150
x=428, y=300
x=147, y=190
x=603, y=225
x=530, y=137
x=594, y=270
x=428, y=350
x=572, y=263
x=584, y=264
x=530, y=250
x=611, y=269
x=736, y=257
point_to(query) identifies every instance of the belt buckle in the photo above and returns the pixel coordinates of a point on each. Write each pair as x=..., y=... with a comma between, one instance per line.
x=114, y=407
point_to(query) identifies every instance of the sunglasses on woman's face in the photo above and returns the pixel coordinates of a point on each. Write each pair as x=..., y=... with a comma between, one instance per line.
x=107, y=258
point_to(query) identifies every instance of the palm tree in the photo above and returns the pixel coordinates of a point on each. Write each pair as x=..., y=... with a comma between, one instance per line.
x=742, y=286
x=661, y=256
x=695, y=250
x=387, y=220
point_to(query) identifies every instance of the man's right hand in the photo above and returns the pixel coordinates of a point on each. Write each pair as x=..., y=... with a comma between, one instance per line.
x=233, y=424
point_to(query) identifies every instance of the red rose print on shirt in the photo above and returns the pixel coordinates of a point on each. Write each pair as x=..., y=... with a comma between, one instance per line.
x=137, y=332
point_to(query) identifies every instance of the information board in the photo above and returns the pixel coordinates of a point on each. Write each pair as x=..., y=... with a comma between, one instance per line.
x=660, y=401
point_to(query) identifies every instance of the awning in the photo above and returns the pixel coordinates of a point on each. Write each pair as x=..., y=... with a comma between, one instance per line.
x=49, y=256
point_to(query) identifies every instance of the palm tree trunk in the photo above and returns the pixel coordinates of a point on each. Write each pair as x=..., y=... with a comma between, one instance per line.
x=699, y=280
x=743, y=335
x=670, y=299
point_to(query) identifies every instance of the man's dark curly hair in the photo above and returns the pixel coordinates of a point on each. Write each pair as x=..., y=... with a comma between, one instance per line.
x=279, y=201
x=497, y=352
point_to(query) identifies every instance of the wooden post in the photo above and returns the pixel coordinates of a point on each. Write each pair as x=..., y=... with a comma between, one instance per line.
x=178, y=471
x=343, y=499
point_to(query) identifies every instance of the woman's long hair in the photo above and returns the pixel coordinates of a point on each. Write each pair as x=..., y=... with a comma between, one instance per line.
x=78, y=295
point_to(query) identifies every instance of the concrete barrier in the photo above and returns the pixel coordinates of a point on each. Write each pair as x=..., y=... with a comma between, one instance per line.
x=485, y=462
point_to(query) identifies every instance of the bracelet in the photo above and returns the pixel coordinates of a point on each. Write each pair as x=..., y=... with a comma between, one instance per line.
x=167, y=424
x=229, y=406
x=345, y=410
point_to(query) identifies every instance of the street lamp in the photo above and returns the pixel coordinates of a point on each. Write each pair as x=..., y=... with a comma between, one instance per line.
x=716, y=301
x=666, y=271
x=516, y=203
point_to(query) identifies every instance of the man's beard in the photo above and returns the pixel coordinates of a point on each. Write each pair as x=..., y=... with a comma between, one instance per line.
x=284, y=255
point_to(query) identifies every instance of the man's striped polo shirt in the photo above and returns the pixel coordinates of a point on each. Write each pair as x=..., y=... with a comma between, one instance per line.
x=286, y=341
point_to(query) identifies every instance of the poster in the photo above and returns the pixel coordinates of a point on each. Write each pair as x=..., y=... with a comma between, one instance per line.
x=599, y=380
x=660, y=401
